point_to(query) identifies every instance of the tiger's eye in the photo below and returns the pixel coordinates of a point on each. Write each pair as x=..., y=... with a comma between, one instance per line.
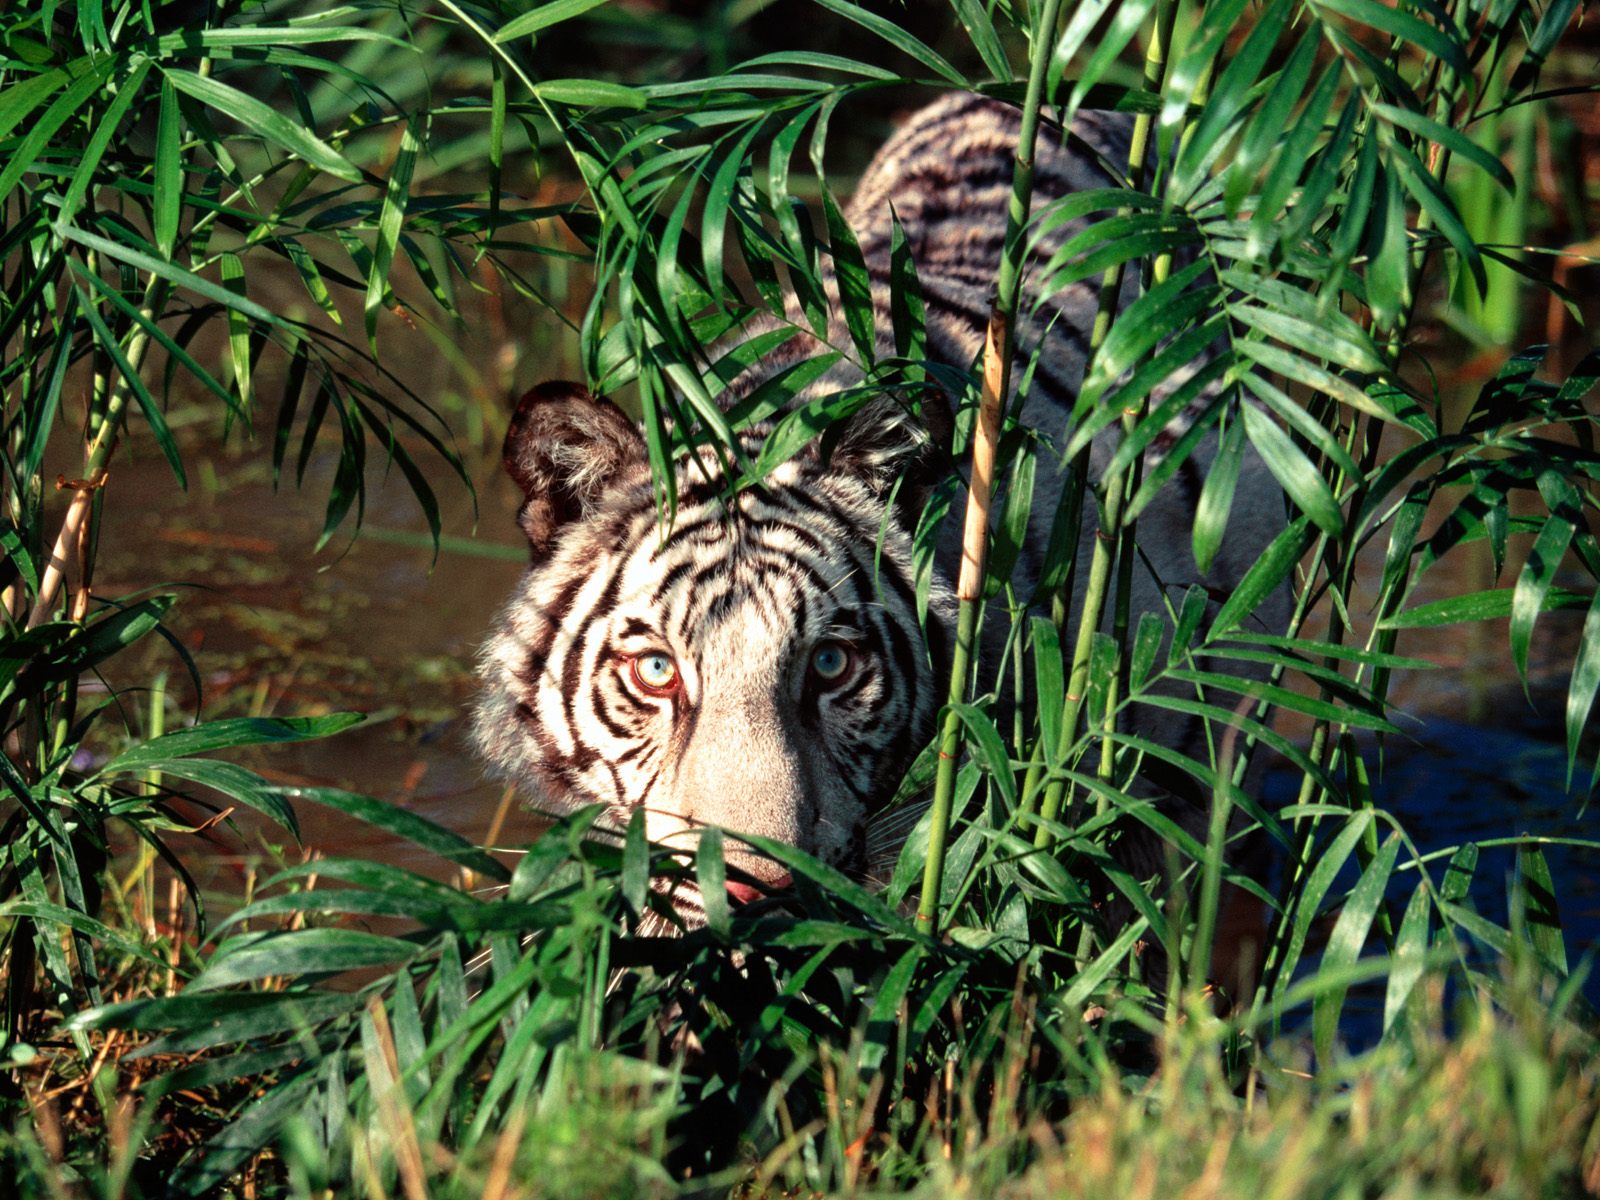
x=830, y=661
x=655, y=671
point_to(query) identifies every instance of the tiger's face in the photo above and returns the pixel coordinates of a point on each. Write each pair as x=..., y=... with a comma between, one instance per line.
x=757, y=666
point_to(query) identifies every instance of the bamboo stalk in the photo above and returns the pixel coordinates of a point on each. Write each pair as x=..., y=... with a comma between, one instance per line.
x=72, y=541
x=980, y=489
x=1116, y=490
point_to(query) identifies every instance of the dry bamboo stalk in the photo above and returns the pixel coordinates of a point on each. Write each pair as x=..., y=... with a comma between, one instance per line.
x=70, y=546
x=985, y=439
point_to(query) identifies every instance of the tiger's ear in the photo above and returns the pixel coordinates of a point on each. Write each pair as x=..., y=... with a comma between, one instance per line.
x=564, y=448
x=893, y=437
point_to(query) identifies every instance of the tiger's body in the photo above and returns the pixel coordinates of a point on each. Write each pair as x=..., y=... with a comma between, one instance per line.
x=761, y=668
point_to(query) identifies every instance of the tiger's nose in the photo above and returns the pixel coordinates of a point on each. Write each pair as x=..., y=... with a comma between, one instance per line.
x=744, y=893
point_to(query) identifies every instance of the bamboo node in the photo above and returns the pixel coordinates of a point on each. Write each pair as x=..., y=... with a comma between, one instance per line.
x=94, y=484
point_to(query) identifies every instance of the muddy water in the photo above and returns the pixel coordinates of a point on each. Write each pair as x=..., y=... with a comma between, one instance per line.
x=374, y=626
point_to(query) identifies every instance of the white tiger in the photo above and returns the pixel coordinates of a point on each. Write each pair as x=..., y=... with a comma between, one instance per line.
x=759, y=666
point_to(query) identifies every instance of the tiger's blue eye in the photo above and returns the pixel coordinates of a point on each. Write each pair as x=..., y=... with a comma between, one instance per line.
x=830, y=661
x=655, y=672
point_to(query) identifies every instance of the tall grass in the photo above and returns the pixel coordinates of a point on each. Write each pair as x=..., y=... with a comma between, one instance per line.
x=1318, y=170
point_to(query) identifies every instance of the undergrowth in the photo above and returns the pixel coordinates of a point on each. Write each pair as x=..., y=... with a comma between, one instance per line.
x=985, y=1023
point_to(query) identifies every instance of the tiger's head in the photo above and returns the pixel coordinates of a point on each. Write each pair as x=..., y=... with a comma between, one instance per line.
x=757, y=664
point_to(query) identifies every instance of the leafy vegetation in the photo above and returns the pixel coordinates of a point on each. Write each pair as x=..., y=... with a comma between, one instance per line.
x=1324, y=167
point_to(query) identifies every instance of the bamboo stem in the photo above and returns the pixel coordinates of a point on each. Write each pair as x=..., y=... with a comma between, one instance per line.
x=72, y=541
x=1115, y=491
x=980, y=489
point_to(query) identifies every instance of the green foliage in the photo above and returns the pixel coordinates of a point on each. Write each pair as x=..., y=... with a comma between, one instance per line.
x=1317, y=166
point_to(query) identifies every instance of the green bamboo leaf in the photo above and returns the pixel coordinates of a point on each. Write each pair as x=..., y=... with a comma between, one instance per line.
x=1231, y=95
x=1049, y=678
x=589, y=93
x=896, y=37
x=1265, y=575
x=87, y=926
x=130, y=376
x=259, y=1122
x=1553, y=22
x=1011, y=534
x=168, y=170
x=1436, y=202
x=1293, y=366
x=265, y=121
x=310, y=273
x=1352, y=712
x=1173, y=358
x=803, y=425
x=855, y=285
x=1346, y=941
x=1308, y=904
x=774, y=395
x=1266, y=128
x=227, y=734
x=1190, y=614
x=1047, y=218
x=1410, y=955
x=396, y=195
x=984, y=739
x=1118, y=250
x=1146, y=645
x=1540, y=909
x=19, y=100
x=300, y=952
x=813, y=59
x=201, y=1022
x=1478, y=606
x=1110, y=230
x=974, y=17
x=719, y=196
x=1165, y=309
x=1406, y=26
x=1086, y=979
x=1533, y=583
x=542, y=17
x=1128, y=19
x=833, y=882
x=108, y=124
x=295, y=33
x=1583, y=685
x=145, y=322
x=1310, y=337
x=232, y=271
x=67, y=104
x=1291, y=468
x=710, y=869
x=906, y=311
x=1216, y=496
x=636, y=863
x=169, y=271
x=1325, y=167
x=1388, y=277
x=883, y=1021
x=1085, y=19
x=1302, y=647
x=1454, y=140
x=402, y=823
x=1304, y=423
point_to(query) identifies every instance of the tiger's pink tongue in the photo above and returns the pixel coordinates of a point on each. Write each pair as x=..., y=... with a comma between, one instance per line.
x=744, y=893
